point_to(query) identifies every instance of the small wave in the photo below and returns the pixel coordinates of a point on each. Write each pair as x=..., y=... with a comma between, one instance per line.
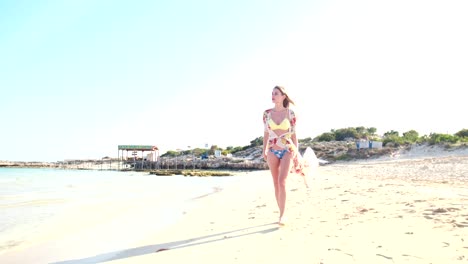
x=33, y=203
x=9, y=245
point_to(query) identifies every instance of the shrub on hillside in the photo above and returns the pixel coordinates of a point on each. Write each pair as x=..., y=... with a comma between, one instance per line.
x=170, y=153
x=394, y=139
x=411, y=136
x=462, y=133
x=390, y=138
x=391, y=133
x=305, y=140
x=345, y=133
x=328, y=136
x=256, y=142
x=435, y=138
x=235, y=149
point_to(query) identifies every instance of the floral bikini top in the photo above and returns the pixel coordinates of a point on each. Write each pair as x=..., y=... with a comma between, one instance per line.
x=284, y=125
x=288, y=123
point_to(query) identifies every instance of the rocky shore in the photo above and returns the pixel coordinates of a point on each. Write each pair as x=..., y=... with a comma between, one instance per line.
x=251, y=158
x=198, y=173
x=24, y=164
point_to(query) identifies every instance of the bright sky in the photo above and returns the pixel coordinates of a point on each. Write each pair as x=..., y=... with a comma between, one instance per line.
x=78, y=78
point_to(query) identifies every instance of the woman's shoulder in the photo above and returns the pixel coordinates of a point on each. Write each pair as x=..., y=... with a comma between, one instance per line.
x=292, y=114
x=291, y=111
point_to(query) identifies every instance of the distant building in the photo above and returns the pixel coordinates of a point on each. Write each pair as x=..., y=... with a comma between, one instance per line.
x=368, y=144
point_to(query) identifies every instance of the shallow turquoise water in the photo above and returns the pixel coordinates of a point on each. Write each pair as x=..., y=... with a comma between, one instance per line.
x=30, y=198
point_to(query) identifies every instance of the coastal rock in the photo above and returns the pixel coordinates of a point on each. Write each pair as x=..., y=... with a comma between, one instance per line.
x=251, y=158
x=28, y=164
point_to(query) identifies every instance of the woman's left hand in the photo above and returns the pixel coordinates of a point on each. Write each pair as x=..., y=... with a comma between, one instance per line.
x=297, y=165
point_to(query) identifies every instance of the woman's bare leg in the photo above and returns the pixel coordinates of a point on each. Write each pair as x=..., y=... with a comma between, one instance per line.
x=285, y=164
x=273, y=164
x=279, y=169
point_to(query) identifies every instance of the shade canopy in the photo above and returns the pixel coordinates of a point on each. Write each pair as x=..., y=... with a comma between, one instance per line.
x=138, y=147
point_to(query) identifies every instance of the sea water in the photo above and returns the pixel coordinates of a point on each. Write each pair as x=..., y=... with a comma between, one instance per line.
x=30, y=198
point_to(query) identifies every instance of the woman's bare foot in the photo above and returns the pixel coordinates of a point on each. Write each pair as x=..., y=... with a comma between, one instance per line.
x=282, y=221
x=305, y=181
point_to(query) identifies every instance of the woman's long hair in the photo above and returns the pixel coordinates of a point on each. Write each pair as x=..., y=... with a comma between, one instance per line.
x=286, y=100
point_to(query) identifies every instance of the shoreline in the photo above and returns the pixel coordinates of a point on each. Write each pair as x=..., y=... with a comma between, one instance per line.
x=112, y=219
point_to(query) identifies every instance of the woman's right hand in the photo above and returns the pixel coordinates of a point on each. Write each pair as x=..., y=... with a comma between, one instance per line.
x=265, y=155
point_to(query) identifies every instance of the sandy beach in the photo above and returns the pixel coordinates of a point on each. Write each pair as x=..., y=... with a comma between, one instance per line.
x=411, y=209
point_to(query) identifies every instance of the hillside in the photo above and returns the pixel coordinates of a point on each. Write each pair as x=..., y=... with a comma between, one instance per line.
x=346, y=151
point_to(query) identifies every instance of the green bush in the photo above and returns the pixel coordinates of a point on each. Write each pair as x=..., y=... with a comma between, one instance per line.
x=236, y=149
x=423, y=139
x=462, y=133
x=411, y=136
x=391, y=136
x=344, y=133
x=256, y=142
x=170, y=153
x=326, y=137
x=395, y=139
x=347, y=133
x=436, y=138
x=391, y=133
x=305, y=140
x=372, y=130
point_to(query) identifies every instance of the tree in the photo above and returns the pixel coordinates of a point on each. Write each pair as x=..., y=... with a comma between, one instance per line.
x=435, y=138
x=212, y=149
x=393, y=138
x=462, y=133
x=410, y=136
x=361, y=130
x=391, y=133
x=327, y=136
x=257, y=142
x=372, y=130
x=170, y=153
x=345, y=133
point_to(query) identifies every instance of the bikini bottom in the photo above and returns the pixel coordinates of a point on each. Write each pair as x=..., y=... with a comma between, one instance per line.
x=279, y=152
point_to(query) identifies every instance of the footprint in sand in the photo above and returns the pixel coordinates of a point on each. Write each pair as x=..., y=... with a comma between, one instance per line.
x=444, y=215
x=444, y=210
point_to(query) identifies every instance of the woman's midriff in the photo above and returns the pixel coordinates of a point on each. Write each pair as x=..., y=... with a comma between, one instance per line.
x=278, y=132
